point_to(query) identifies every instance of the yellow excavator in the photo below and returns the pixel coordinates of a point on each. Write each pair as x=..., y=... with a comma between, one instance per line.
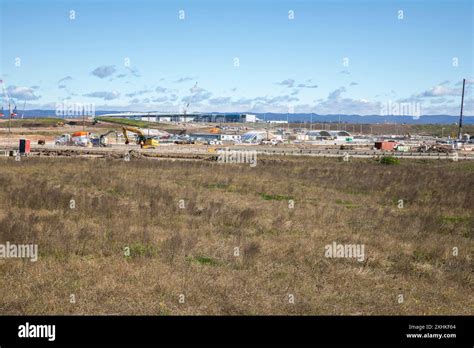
x=145, y=142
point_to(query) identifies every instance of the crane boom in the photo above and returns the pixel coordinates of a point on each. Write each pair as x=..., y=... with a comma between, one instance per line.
x=190, y=99
x=462, y=104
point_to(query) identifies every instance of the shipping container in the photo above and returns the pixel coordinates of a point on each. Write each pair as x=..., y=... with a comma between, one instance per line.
x=25, y=146
x=385, y=145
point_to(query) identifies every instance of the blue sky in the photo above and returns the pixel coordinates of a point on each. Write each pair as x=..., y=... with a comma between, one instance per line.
x=244, y=55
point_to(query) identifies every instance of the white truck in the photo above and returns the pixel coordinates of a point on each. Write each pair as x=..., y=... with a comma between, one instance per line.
x=74, y=139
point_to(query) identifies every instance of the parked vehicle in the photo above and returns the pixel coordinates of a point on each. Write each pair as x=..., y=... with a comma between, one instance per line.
x=102, y=140
x=271, y=142
x=214, y=142
x=74, y=139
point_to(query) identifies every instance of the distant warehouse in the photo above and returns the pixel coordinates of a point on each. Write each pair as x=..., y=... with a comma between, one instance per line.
x=226, y=118
x=195, y=117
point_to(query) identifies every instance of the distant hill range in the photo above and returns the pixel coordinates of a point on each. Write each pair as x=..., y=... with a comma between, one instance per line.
x=296, y=118
x=366, y=119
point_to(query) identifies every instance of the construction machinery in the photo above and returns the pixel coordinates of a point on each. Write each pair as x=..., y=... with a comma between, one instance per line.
x=436, y=148
x=194, y=89
x=462, y=105
x=101, y=140
x=145, y=142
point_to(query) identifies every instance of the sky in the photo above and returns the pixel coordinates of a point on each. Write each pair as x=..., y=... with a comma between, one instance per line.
x=325, y=57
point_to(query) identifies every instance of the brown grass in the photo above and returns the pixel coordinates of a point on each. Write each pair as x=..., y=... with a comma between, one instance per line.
x=190, y=251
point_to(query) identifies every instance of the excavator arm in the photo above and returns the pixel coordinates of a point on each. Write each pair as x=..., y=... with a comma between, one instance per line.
x=109, y=132
x=142, y=140
x=140, y=134
x=103, y=137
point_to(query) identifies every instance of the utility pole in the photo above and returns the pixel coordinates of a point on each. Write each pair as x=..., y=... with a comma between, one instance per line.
x=462, y=104
x=9, y=122
x=83, y=119
x=23, y=112
x=5, y=92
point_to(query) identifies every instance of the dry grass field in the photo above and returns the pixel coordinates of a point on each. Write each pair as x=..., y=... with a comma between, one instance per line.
x=160, y=237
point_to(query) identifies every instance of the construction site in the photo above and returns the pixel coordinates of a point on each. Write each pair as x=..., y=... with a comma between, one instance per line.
x=159, y=214
x=139, y=217
x=193, y=172
x=201, y=135
x=104, y=136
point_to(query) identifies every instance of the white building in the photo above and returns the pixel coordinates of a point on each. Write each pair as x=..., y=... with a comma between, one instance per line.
x=231, y=137
x=253, y=137
x=249, y=118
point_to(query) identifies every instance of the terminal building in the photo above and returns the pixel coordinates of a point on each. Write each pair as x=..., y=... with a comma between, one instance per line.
x=196, y=117
x=226, y=118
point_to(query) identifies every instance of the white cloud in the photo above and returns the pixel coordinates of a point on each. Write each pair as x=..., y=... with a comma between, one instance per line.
x=133, y=94
x=336, y=94
x=219, y=101
x=64, y=79
x=184, y=79
x=441, y=90
x=197, y=95
x=336, y=104
x=103, y=71
x=160, y=99
x=160, y=89
x=348, y=106
x=468, y=82
x=134, y=72
x=287, y=83
x=22, y=93
x=304, y=85
x=103, y=95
